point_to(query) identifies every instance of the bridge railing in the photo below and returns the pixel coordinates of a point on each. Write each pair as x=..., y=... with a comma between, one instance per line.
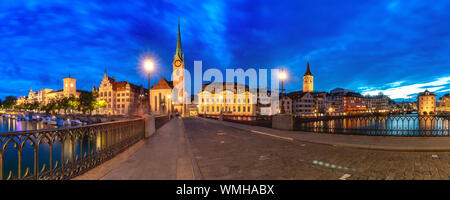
x=63, y=153
x=385, y=125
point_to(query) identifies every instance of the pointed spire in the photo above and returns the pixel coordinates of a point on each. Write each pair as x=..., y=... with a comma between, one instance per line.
x=308, y=71
x=179, y=51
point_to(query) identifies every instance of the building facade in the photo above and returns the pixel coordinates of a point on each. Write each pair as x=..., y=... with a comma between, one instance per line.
x=227, y=99
x=44, y=96
x=160, y=96
x=378, y=104
x=444, y=104
x=426, y=103
x=122, y=98
x=302, y=103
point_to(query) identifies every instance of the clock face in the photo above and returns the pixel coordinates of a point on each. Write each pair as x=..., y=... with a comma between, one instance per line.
x=177, y=63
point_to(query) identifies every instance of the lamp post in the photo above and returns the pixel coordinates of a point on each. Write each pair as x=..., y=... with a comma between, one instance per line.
x=148, y=65
x=282, y=75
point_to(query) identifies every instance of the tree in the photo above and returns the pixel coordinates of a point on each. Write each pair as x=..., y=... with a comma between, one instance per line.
x=10, y=102
x=100, y=104
x=87, y=101
x=50, y=107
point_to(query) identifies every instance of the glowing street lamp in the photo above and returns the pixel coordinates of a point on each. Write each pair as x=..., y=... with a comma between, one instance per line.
x=148, y=65
x=282, y=75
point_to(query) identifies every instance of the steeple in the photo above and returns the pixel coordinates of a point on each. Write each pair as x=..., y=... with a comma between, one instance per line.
x=308, y=71
x=179, y=52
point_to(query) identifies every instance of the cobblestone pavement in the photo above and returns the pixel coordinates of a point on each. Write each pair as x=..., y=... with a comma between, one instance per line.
x=224, y=152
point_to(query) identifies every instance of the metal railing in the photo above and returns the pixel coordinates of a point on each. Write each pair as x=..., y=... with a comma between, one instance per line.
x=384, y=125
x=57, y=154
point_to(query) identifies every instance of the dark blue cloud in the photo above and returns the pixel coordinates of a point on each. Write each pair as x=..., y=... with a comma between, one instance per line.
x=369, y=46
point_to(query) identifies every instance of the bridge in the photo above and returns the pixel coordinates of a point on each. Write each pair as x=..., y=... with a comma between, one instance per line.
x=200, y=148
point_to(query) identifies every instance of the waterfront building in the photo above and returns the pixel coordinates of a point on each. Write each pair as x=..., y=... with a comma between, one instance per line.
x=123, y=98
x=347, y=102
x=44, y=96
x=322, y=103
x=354, y=102
x=227, y=98
x=444, y=104
x=379, y=103
x=302, y=103
x=426, y=103
x=286, y=104
x=308, y=80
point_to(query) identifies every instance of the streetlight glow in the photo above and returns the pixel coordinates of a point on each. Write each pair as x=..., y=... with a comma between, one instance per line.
x=148, y=64
x=282, y=75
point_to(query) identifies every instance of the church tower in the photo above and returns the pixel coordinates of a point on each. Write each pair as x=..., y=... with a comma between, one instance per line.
x=70, y=86
x=178, y=76
x=308, y=80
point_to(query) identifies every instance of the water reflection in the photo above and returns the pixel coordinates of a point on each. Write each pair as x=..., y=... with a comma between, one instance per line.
x=401, y=125
x=11, y=125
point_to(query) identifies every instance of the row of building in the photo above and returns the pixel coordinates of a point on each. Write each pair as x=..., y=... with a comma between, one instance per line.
x=124, y=98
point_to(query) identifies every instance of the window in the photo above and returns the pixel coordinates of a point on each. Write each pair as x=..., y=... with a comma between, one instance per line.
x=213, y=108
x=248, y=109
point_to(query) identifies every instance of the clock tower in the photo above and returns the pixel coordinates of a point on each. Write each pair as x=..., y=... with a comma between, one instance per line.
x=308, y=80
x=178, y=75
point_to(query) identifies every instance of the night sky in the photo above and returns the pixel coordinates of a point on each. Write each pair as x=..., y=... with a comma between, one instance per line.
x=398, y=47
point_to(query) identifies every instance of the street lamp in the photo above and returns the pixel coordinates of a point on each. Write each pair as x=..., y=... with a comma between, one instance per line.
x=282, y=75
x=148, y=65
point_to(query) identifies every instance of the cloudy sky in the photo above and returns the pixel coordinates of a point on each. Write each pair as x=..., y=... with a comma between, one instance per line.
x=399, y=47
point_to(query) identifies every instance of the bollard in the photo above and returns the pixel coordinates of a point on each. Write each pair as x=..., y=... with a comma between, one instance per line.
x=149, y=125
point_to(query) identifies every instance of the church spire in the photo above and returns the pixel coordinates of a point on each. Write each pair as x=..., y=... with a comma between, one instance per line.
x=179, y=52
x=308, y=71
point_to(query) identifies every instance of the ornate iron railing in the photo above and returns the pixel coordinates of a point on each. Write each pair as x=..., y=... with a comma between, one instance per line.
x=56, y=154
x=385, y=125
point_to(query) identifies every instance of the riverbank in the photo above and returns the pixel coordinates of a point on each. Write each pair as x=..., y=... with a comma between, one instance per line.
x=32, y=121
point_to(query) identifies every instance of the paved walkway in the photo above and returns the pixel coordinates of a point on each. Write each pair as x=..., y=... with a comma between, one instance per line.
x=389, y=143
x=224, y=151
x=164, y=156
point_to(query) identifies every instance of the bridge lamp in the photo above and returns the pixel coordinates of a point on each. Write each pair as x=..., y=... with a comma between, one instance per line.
x=148, y=65
x=282, y=75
